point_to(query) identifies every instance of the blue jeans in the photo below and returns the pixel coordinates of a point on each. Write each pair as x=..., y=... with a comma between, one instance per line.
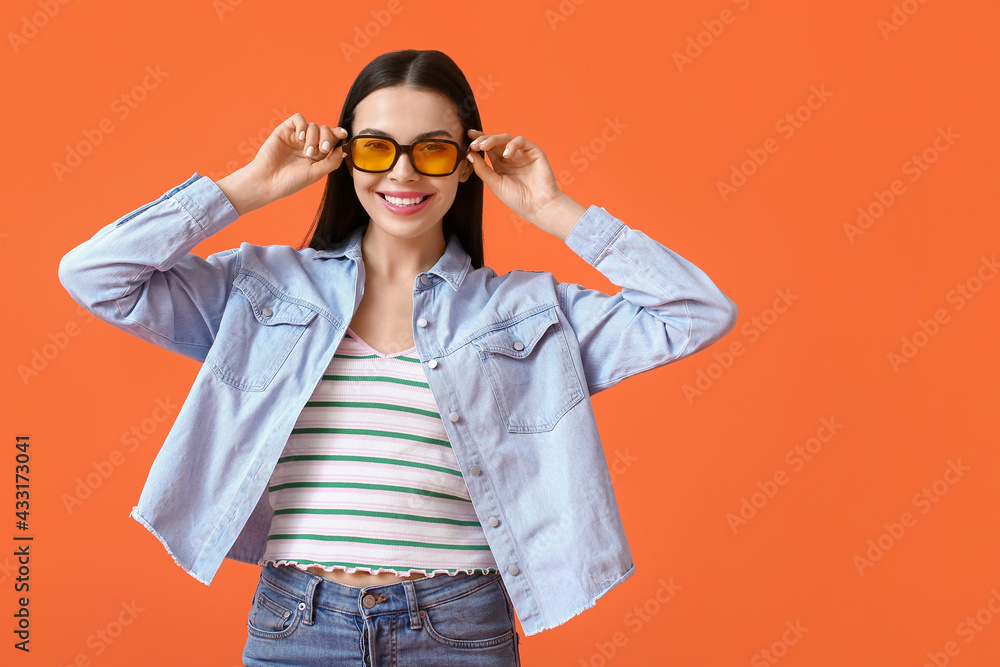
x=299, y=618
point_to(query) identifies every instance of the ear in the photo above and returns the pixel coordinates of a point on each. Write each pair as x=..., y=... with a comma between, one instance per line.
x=466, y=171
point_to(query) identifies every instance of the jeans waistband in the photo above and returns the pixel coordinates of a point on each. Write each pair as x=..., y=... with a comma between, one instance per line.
x=407, y=595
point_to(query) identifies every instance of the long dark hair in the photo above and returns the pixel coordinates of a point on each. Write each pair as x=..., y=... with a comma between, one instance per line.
x=340, y=211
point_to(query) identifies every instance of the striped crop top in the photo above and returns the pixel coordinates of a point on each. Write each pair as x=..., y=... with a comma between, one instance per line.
x=368, y=480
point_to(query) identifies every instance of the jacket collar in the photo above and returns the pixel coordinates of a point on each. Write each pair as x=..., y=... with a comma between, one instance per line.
x=451, y=266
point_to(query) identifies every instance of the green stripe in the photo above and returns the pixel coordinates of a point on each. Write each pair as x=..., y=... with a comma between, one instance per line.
x=365, y=431
x=355, y=356
x=377, y=378
x=374, y=487
x=371, y=404
x=331, y=563
x=372, y=540
x=415, y=360
x=366, y=459
x=386, y=515
x=374, y=356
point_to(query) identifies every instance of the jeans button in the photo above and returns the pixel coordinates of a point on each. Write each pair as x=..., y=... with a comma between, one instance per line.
x=368, y=601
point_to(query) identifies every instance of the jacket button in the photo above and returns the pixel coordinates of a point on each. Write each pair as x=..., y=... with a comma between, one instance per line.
x=421, y=322
x=424, y=280
x=475, y=470
x=433, y=363
x=518, y=345
x=453, y=416
x=513, y=569
x=493, y=521
x=368, y=601
x=266, y=312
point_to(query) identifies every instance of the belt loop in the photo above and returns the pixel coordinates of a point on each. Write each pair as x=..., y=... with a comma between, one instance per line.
x=310, y=600
x=411, y=604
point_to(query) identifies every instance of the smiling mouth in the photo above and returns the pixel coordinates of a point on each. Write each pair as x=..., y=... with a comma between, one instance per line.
x=407, y=201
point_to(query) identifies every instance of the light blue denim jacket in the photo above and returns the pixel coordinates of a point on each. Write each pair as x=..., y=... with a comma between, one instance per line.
x=512, y=361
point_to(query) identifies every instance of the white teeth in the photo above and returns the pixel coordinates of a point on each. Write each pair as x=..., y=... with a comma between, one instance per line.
x=403, y=202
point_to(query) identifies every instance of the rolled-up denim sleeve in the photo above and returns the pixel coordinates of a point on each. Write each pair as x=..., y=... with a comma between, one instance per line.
x=667, y=308
x=139, y=274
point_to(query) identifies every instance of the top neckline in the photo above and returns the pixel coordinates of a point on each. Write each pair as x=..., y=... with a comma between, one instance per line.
x=358, y=338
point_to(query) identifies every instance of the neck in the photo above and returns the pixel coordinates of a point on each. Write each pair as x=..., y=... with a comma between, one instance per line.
x=398, y=259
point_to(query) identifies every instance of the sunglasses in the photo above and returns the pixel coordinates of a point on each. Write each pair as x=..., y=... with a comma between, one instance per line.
x=375, y=154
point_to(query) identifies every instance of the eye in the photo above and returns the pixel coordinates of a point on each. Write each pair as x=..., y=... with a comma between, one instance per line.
x=433, y=147
x=377, y=145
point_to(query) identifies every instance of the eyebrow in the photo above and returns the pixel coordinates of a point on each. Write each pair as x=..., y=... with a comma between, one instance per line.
x=422, y=135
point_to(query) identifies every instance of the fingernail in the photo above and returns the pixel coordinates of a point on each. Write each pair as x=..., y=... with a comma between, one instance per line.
x=302, y=134
x=505, y=151
x=309, y=151
x=326, y=145
x=470, y=158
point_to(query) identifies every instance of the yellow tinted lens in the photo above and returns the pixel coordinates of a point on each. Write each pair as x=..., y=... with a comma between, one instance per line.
x=434, y=157
x=372, y=154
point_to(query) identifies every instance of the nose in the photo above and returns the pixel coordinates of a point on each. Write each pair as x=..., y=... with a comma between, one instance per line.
x=404, y=169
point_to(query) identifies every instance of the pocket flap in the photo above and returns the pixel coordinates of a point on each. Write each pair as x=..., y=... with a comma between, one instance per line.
x=524, y=334
x=270, y=308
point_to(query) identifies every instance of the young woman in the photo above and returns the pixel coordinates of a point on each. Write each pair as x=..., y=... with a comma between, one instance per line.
x=400, y=438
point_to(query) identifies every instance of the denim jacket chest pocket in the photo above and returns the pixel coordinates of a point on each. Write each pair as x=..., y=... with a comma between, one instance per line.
x=530, y=371
x=257, y=333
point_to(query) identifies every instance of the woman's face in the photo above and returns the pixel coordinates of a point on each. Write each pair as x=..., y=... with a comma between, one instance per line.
x=404, y=113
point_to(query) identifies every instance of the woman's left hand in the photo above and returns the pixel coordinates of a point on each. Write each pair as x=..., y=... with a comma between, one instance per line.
x=522, y=179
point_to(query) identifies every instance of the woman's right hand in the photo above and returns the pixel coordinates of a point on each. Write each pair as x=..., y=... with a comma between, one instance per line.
x=294, y=156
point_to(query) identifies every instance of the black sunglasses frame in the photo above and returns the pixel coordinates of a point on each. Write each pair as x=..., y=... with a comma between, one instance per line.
x=400, y=151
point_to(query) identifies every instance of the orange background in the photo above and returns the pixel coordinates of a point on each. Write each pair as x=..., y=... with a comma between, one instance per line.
x=692, y=460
